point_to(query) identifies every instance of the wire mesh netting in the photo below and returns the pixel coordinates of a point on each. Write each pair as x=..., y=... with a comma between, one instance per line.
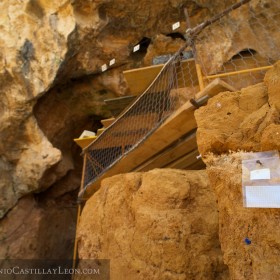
x=240, y=47
x=145, y=115
x=236, y=52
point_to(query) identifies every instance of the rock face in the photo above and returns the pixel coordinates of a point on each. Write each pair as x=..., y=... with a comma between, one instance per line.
x=33, y=42
x=30, y=230
x=52, y=88
x=247, y=120
x=156, y=225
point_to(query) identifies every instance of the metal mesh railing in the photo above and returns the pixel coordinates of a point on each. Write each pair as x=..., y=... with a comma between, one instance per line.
x=240, y=47
x=145, y=115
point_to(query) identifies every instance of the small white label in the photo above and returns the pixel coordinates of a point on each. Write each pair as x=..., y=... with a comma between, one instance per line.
x=112, y=62
x=175, y=25
x=136, y=48
x=104, y=67
x=262, y=196
x=260, y=174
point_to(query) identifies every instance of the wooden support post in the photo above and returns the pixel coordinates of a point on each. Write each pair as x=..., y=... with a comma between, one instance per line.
x=76, y=239
x=83, y=172
x=79, y=214
x=199, y=76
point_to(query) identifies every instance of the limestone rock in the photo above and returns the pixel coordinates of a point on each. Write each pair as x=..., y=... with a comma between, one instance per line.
x=162, y=45
x=156, y=225
x=252, y=26
x=245, y=120
x=31, y=164
x=33, y=42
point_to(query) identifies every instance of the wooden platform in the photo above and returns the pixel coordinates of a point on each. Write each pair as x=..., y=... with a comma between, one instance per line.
x=139, y=80
x=107, y=122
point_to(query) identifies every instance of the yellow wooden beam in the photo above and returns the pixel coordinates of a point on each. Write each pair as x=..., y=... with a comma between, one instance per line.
x=76, y=238
x=215, y=87
x=199, y=76
x=237, y=72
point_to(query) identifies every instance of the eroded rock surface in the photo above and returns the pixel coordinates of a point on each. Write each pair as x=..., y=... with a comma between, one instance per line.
x=260, y=259
x=34, y=36
x=247, y=120
x=156, y=225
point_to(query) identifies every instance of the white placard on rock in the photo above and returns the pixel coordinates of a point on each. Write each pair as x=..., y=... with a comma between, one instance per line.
x=136, y=48
x=260, y=174
x=112, y=62
x=262, y=196
x=104, y=67
x=175, y=25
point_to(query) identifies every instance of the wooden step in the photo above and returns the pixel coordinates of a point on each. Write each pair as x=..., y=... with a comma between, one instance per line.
x=125, y=130
x=99, y=131
x=84, y=142
x=175, y=127
x=107, y=122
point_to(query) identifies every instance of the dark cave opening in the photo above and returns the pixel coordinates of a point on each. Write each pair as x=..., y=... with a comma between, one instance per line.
x=244, y=53
x=143, y=47
x=176, y=35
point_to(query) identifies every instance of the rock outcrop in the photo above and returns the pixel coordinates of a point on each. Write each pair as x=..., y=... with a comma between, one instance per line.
x=156, y=225
x=33, y=44
x=247, y=120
